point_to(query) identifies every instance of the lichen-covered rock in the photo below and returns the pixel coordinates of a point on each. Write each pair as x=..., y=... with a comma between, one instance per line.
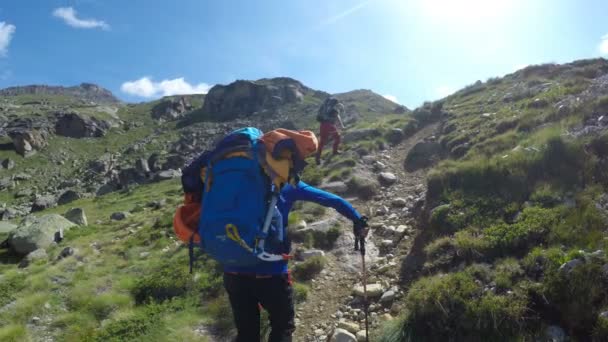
x=38, y=232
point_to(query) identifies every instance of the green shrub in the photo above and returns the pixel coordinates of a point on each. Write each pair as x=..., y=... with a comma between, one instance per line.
x=133, y=326
x=172, y=279
x=300, y=292
x=308, y=269
x=546, y=196
x=362, y=187
x=13, y=333
x=530, y=230
x=600, y=331
x=221, y=313
x=312, y=174
x=578, y=294
x=506, y=273
x=469, y=245
x=162, y=284
x=99, y=306
x=455, y=307
x=10, y=284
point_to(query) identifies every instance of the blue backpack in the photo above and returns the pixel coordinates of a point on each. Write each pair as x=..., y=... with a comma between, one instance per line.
x=238, y=200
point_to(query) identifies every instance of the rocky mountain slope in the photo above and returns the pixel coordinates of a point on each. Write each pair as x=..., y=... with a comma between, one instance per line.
x=488, y=212
x=105, y=167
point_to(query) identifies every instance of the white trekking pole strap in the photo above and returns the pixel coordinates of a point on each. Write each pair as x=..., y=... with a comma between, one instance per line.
x=263, y=255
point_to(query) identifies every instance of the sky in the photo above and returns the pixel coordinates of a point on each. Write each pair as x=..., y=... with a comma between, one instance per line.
x=409, y=51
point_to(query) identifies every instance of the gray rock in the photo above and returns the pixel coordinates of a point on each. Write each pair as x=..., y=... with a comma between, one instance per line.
x=305, y=255
x=141, y=165
x=158, y=204
x=38, y=232
x=570, y=265
x=341, y=335
x=247, y=98
x=171, y=108
x=6, y=183
x=167, y=174
x=373, y=290
x=387, y=297
x=399, y=202
x=68, y=196
x=8, y=164
x=66, y=252
x=27, y=140
x=74, y=125
x=422, y=155
x=351, y=327
x=604, y=314
x=387, y=178
x=554, y=333
x=301, y=225
x=335, y=187
x=538, y=103
x=22, y=176
x=44, y=202
x=38, y=254
x=77, y=216
x=361, y=336
x=24, y=193
x=119, y=216
x=6, y=227
x=395, y=136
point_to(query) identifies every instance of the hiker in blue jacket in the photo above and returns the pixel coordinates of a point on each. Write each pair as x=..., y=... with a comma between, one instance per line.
x=268, y=283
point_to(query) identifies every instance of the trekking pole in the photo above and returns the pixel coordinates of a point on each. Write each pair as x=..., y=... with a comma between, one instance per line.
x=365, y=307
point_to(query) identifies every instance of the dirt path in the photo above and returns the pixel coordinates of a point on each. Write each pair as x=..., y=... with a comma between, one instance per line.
x=331, y=297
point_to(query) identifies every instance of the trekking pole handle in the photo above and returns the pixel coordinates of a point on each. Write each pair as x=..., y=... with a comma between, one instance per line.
x=268, y=220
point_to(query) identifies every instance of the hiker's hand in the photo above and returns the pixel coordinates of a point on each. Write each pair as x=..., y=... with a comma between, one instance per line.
x=360, y=227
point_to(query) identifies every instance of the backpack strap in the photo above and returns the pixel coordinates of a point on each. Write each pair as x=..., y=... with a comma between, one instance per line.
x=191, y=252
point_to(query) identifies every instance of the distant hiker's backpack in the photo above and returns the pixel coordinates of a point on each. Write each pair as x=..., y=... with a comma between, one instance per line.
x=231, y=194
x=329, y=110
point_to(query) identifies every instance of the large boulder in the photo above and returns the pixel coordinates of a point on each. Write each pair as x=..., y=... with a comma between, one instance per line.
x=245, y=98
x=68, y=196
x=8, y=164
x=171, y=108
x=422, y=155
x=27, y=142
x=6, y=227
x=44, y=202
x=74, y=125
x=38, y=232
x=77, y=216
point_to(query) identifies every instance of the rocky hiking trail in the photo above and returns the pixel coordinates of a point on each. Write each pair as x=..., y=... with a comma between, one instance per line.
x=335, y=306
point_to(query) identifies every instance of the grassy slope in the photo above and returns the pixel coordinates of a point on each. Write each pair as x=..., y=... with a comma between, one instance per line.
x=518, y=205
x=109, y=289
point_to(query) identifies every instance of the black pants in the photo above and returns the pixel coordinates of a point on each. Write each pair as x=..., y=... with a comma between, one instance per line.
x=275, y=294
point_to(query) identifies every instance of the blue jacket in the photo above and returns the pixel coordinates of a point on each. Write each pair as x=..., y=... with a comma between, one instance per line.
x=289, y=195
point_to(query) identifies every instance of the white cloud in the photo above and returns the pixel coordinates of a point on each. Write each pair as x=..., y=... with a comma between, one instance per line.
x=603, y=47
x=145, y=87
x=443, y=91
x=390, y=97
x=6, y=34
x=68, y=15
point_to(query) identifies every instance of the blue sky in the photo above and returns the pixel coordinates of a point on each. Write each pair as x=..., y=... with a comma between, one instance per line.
x=413, y=50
